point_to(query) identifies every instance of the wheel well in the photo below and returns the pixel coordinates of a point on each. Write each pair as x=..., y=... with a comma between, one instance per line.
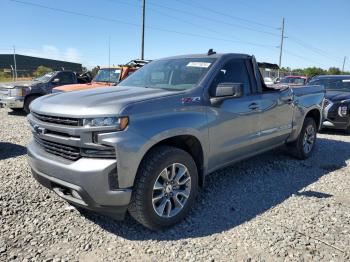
x=191, y=145
x=315, y=114
x=31, y=95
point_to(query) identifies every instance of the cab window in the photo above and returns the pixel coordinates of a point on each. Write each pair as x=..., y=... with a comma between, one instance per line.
x=234, y=71
x=65, y=78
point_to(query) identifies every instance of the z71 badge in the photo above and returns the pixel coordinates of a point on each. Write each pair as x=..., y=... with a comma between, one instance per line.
x=187, y=100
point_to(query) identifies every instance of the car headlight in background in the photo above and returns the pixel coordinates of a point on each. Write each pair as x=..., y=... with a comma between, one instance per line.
x=120, y=123
x=15, y=92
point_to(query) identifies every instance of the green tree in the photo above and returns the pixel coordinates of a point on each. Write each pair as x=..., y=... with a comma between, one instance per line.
x=42, y=70
x=334, y=71
x=313, y=71
x=95, y=70
x=298, y=71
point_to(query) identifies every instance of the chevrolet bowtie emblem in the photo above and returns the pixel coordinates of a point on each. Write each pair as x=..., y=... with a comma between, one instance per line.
x=39, y=130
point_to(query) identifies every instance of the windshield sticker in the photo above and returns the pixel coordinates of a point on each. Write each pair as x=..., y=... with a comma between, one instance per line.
x=346, y=81
x=117, y=71
x=199, y=64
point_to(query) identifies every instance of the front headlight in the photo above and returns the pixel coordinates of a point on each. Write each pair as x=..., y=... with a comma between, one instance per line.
x=342, y=111
x=17, y=91
x=120, y=123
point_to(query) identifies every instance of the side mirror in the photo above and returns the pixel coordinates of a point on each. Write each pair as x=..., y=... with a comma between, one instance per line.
x=229, y=90
x=55, y=81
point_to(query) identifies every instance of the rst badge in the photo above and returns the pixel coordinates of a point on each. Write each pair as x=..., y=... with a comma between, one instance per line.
x=187, y=100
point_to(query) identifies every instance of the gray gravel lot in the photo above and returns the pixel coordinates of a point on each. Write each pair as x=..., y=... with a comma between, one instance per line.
x=269, y=208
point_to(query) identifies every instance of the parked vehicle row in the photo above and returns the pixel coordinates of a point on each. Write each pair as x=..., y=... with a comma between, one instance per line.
x=106, y=76
x=337, y=102
x=147, y=145
x=19, y=95
x=286, y=81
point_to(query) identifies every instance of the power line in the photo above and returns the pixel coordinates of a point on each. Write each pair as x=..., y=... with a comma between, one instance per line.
x=225, y=14
x=206, y=28
x=303, y=58
x=188, y=22
x=218, y=21
x=312, y=48
x=124, y=22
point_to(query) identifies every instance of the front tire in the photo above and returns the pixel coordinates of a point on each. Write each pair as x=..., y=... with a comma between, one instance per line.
x=165, y=188
x=303, y=147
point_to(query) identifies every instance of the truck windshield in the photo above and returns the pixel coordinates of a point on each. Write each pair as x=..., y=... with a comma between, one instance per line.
x=109, y=75
x=172, y=74
x=45, y=78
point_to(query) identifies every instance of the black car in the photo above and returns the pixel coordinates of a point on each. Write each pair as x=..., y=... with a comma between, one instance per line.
x=337, y=102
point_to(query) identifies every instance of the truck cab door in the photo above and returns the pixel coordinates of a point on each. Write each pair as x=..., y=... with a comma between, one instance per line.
x=233, y=122
x=276, y=116
x=60, y=79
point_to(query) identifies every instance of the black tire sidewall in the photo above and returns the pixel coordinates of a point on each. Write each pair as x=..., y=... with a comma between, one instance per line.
x=308, y=121
x=27, y=102
x=175, y=156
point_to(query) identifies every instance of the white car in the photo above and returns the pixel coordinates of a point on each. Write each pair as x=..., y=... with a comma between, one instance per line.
x=268, y=81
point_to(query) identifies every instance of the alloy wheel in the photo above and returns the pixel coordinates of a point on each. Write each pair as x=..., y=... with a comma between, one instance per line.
x=171, y=190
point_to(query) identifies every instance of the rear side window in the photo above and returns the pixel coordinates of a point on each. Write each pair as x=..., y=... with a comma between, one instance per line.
x=66, y=78
x=332, y=83
x=234, y=71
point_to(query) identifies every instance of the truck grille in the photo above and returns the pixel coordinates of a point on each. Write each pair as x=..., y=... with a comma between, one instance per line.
x=57, y=120
x=67, y=152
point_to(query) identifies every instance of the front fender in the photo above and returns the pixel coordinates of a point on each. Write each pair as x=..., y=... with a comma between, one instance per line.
x=147, y=131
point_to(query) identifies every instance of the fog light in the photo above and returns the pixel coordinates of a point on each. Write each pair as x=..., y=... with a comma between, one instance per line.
x=342, y=111
x=75, y=194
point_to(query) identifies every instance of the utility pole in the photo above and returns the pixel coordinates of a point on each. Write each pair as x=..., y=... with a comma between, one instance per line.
x=281, y=47
x=13, y=73
x=109, y=58
x=143, y=30
x=344, y=64
x=14, y=60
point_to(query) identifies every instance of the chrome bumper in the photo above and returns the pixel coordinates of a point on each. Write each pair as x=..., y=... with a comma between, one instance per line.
x=12, y=102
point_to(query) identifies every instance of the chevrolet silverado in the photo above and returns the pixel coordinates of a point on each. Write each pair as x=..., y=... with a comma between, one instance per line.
x=146, y=146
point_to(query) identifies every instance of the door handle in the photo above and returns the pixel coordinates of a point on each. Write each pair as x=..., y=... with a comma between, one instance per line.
x=253, y=106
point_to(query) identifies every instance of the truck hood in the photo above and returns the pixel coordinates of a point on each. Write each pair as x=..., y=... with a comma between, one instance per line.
x=76, y=87
x=106, y=101
x=336, y=96
x=19, y=84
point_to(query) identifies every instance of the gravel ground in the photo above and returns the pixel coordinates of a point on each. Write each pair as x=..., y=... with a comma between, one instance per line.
x=269, y=208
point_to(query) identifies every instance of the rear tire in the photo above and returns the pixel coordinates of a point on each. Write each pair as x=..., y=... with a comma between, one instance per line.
x=27, y=103
x=165, y=188
x=303, y=147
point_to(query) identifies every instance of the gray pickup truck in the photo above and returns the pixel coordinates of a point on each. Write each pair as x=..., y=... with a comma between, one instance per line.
x=19, y=95
x=146, y=145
